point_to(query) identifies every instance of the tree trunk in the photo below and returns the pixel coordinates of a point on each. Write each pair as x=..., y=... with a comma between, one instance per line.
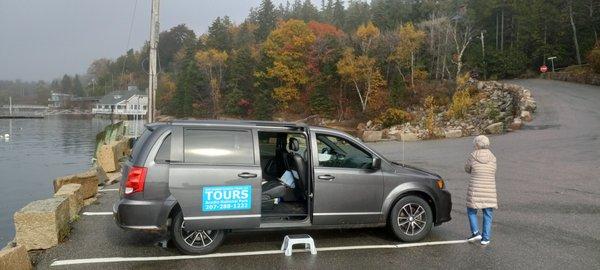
x=502, y=30
x=574, y=33
x=412, y=70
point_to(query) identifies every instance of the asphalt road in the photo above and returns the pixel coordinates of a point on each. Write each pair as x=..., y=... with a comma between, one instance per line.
x=548, y=183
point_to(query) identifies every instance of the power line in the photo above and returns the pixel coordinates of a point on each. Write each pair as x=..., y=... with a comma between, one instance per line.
x=129, y=36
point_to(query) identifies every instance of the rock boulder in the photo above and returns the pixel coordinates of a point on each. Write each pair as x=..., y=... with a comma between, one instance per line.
x=517, y=123
x=74, y=194
x=495, y=128
x=409, y=136
x=88, y=181
x=15, y=258
x=42, y=224
x=526, y=116
x=453, y=133
x=372, y=135
x=110, y=154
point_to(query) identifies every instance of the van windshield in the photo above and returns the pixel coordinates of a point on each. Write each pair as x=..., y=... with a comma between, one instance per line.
x=139, y=142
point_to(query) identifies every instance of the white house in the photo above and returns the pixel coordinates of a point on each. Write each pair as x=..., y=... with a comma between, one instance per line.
x=124, y=102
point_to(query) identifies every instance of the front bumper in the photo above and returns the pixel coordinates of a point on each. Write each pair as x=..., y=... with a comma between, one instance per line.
x=137, y=214
x=444, y=207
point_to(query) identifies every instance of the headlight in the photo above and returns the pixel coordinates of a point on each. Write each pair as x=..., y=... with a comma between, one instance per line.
x=440, y=183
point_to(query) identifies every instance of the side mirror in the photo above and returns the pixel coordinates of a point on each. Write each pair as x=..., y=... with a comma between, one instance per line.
x=376, y=163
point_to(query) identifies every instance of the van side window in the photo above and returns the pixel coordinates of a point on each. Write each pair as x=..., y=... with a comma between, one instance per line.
x=336, y=152
x=218, y=146
x=164, y=152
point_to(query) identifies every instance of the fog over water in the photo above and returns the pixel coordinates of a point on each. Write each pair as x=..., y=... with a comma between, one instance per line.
x=42, y=40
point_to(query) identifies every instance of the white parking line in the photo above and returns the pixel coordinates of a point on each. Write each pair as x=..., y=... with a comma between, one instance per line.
x=108, y=189
x=97, y=213
x=241, y=254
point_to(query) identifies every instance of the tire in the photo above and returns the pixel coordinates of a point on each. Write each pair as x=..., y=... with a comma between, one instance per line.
x=407, y=229
x=194, y=242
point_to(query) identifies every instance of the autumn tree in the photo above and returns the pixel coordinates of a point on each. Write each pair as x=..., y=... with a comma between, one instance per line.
x=367, y=33
x=286, y=46
x=462, y=34
x=364, y=75
x=165, y=93
x=212, y=62
x=410, y=41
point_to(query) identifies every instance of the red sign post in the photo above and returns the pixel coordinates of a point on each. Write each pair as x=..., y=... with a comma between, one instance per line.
x=543, y=69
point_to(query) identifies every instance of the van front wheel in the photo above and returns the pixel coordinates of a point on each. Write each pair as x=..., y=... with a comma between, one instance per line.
x=411, y=219
x=194, y=242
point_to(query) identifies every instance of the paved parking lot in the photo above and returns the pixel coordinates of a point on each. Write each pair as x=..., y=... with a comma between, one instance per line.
x=549, y=218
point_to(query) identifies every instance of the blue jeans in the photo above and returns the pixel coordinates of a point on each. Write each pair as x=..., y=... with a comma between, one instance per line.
x=488, y=215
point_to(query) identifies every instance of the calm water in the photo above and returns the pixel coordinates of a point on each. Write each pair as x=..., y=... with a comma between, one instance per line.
x=38, y=151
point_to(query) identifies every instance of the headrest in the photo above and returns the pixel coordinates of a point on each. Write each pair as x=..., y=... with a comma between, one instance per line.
x=293, y=144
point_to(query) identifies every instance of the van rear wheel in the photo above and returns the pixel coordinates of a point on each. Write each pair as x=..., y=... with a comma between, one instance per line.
x=194, y=242
x=411, y=219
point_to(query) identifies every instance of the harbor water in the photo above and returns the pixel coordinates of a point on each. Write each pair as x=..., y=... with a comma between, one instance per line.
x=36, y=151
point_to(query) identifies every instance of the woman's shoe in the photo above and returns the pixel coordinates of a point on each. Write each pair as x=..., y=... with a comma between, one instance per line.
x=485, y=242
x=474, y=237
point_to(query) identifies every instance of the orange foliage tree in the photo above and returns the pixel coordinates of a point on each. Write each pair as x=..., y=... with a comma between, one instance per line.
x=286, y=46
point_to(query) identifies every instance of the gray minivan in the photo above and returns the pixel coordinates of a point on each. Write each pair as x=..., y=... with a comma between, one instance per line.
x=201, y=179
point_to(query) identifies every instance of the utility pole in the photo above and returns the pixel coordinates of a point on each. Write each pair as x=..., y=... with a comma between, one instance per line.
x=152, y=74
x=10, y=105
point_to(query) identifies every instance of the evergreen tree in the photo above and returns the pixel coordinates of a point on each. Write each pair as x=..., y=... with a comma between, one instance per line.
x=66, y=85
x=339, y=14
x=77, y=87
x=266, y=19
x=219, y=34
x=190, y=83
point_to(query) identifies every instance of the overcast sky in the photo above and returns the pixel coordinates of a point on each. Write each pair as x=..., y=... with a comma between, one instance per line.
x=45, y=39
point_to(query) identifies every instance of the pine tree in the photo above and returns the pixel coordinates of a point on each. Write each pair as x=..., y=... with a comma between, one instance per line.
x=77, y=87
x=266, y=19
x=66, y=84
x=219, y=34
x=339, y=14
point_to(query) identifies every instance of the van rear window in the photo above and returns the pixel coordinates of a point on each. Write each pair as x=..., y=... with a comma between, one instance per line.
x=218, y=146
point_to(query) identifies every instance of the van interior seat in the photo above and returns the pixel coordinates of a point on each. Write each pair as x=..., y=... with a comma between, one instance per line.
x=297, y=163
x=293, y=162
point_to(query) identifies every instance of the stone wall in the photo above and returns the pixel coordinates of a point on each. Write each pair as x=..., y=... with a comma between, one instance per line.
x=586, y=78
x=501, y=107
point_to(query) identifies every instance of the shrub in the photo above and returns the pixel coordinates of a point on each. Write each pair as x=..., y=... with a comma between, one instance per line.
x=593, y=58
x=284, y=96
x=321, y=104
x=461, y=101
x=492, y=111
x=394, y=116
x=430, y=107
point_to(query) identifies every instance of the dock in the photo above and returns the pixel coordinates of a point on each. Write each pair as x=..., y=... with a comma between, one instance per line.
x=20, y=116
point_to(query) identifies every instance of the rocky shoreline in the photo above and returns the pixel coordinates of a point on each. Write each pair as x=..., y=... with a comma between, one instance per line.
x=44, y=224
x=503, y=107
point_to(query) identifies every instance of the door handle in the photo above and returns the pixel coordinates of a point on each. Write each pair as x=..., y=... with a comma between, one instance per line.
x=326, y=177
x=247, y=175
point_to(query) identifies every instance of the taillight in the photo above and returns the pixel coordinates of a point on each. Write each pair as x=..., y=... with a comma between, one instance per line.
x=135, y=180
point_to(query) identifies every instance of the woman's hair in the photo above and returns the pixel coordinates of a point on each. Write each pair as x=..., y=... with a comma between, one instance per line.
x=481, y=142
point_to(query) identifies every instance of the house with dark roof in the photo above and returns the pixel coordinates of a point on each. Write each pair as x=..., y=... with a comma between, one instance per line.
x=123, y=103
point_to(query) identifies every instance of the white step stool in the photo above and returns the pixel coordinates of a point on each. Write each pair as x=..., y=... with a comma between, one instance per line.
x=291, y=240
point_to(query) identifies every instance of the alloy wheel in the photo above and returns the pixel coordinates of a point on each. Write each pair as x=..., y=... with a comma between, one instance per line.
x=412, y=219
x=199, y=238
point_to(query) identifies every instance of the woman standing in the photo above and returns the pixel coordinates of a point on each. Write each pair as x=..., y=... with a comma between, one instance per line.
x=481, y=194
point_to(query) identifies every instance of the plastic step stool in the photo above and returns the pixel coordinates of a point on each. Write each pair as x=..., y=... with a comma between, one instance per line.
x=290, y=240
